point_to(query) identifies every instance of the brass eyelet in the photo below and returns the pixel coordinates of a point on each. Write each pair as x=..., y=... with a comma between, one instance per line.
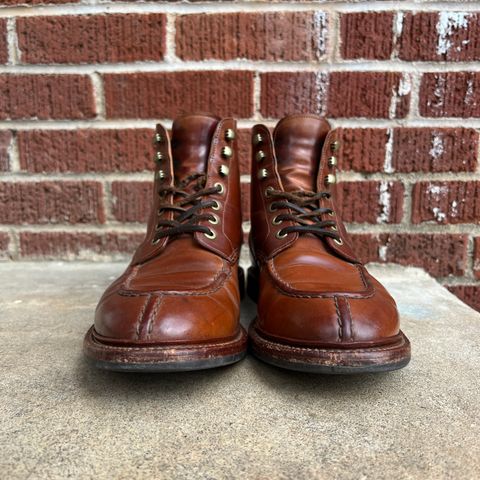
x=154, y=242
x=223, y=170
x=215, y=220
x=257, y=139
x=262, y=174
x=332, y=161
x=226, y=152
x=281, y=235
x=338, y=241
x=216, y=206
x=271, y=208
x=219, y=187
x=275, y=221
x=334, y=146
x=161, y=175
x=212, y=235
x=158, y=138
x=330, y=179
x=229, y=134
x=267, y=191
x=260, y=155
x=334, y=228
x=331, y=214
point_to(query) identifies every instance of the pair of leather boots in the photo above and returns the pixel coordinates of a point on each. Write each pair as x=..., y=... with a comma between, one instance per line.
x=177, y=305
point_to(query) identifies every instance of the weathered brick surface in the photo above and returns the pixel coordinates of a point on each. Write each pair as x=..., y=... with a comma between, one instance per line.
x=51, y=202
x=244, y=150
x=131, y=201
x=36, y=2
x=4, y=243
x=245, y=197
x=78, y=245
x=476, y=258
x=362, y=149
x=451, y=36
x=5, y=141
x=371, y=201
x=367, y=35
x=446, y=202
x=470, y=294
x=435, y=149
x=439, y=254
x=3, y=41
x=368, y=94
x=271, y=36
x=284, y=93
x=166, y=95
x=46, y=97
x=86, y=150
x=451, y=94
x=92, y=38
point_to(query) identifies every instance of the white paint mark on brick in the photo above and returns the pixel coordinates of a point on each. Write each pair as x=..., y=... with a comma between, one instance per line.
x=454, y=208
x=382, y=252
x=448, y=23
x=437, y=191
x=398, y=25
x=320, y=28
x=14, y=52
x=321, y=87
x=438, y=214
x=385, y=198
x=438, y=92
x=469, y=96
x=387, y=164
x=403, y=88
x=437, y=149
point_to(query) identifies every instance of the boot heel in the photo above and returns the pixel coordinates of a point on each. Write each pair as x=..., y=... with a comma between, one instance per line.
x=252, y=283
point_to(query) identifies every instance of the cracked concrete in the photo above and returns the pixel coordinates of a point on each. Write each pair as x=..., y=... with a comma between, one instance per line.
x=60, y=418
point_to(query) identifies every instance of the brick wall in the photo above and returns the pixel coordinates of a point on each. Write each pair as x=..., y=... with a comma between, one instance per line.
x=82, y=84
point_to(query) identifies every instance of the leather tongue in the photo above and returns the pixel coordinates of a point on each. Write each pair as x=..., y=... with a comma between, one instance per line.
x=191, y=138
x=298, y=141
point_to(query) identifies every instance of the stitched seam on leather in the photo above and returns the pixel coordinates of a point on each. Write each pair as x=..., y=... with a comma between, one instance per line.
x=358, y=296
x=280, y=347
x=153, y=315
x=339, y=321
x=140, y=316
x=131, y=293
x=352, y=335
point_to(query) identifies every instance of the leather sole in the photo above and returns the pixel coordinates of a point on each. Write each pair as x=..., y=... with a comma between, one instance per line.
x=331, y=361
x=164, y=358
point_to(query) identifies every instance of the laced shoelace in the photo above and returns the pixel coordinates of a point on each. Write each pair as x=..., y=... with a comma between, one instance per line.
x=306, y=213
x=188, y=216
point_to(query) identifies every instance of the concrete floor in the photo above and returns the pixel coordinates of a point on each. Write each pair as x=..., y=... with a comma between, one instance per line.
x=62, y=419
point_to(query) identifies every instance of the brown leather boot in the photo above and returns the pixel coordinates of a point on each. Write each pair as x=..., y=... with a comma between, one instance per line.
x=177, y=305
x=319, y=310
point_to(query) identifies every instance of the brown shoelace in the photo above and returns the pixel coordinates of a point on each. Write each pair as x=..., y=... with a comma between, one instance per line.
x=306, y=213
x=188, y=216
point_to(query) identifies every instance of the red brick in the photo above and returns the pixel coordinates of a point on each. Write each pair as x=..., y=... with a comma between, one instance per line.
x=271, y=36
x=166, y=95
x=5, y=141
x=131, y=201
x=476, y=258
x=3, y=41
x=284, y=93
x=92, y=38
x=446, y=202
x=450, y=94
x=371, y=201
x=470, y=294
x=86, y=150
x=46, y=97
x=36, y=2
x=451, y=36
x=51, y=202
x=367, y=35
x=244, y=144
x=435, y=150
x=77, y=245
x=245, y=196
x=4, y=244
x=362, y=149
x=368, y=94
x=440, y=255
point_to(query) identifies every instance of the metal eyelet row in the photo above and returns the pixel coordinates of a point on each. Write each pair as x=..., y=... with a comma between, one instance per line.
x=158, y=139
x=216, y=219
